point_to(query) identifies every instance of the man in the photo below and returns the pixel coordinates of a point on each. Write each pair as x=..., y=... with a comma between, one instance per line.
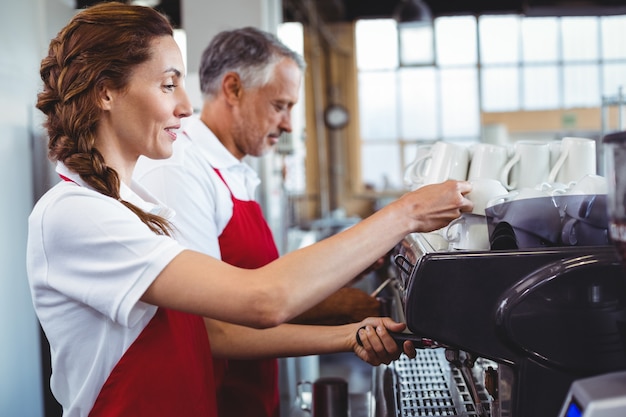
x=250, y=82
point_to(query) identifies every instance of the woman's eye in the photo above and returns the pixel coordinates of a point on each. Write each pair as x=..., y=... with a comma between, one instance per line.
x=170, y=86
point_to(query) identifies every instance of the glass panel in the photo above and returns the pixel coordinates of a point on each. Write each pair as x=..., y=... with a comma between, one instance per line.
x=377, y=105
x=499, y=39
x=500, y=89
x=540, y=39
x=291, y=34
x=581, y=86
x=381, y=166
x=412, y=150
x=409, y=153
x=376, y=44
x=613, y=35
x=580, y=38
x=295, y=180
x=418, y=103
x=416, y=45
x=614, y=76
x=541, y=88
x=180, y=36
x=460, y=115
x=456, y=40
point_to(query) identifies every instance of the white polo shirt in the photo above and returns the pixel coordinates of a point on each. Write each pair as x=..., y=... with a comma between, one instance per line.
x=187, y=183
x=89, y=260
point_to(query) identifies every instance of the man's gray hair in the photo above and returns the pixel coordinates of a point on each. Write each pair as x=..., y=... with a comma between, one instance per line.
x=250, y=52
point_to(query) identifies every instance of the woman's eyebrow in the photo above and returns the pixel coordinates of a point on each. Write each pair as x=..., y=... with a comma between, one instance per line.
x=176, y=72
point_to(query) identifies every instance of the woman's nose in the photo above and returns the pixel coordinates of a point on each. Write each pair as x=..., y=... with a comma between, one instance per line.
x=184, y=108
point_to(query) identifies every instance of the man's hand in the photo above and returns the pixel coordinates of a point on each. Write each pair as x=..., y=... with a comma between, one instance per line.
x=376, y=344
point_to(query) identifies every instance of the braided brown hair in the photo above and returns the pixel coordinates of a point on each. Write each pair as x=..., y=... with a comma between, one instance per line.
x=100, y=45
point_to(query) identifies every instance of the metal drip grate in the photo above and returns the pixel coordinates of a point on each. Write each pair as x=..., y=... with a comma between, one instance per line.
x=429, y=386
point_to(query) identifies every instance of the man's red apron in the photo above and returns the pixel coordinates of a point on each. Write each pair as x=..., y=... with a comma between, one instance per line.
x=166, y=372
x=247, y=387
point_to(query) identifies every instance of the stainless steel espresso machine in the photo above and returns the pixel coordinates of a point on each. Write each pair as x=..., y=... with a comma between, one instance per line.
x=504, y=333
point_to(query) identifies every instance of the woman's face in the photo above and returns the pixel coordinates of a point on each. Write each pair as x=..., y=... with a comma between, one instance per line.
x=143, y=118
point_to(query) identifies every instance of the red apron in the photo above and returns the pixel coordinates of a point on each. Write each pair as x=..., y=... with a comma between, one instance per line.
x=166, y=372
x=247, y=387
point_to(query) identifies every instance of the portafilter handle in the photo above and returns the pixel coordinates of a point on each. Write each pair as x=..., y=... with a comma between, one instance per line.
x=418, y=341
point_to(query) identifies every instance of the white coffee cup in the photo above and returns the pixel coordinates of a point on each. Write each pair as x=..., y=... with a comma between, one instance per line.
x=487, y=161
x=578, y=233
x=589, y=209
x=529, y=166
x=553, y=188
x=421, y=152
x=589, y=184
x=577, y=159
x=443, y=161
x=483, y=191
x=555, y=151
x=468, y=232
x=518, y=194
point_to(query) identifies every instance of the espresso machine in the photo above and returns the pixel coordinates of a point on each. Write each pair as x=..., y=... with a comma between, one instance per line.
x=532, y=326
x=604, y=395
x=503, y=333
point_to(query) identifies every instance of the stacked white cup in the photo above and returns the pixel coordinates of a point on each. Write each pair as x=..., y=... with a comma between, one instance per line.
x=470, y=230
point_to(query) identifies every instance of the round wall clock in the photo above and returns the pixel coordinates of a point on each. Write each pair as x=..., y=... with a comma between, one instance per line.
x=336, y=116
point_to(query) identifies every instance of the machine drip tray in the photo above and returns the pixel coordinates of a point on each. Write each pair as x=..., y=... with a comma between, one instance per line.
x=430, y=386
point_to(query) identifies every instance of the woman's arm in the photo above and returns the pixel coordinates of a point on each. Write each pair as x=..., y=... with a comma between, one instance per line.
x=295, y=282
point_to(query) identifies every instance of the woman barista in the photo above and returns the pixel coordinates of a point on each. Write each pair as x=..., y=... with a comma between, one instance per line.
x=120, y=301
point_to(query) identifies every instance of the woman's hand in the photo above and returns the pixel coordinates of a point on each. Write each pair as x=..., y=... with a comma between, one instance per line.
x=433, y=206
x=377, y=346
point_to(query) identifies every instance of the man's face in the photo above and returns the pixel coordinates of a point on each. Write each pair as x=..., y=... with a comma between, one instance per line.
x=264, y=113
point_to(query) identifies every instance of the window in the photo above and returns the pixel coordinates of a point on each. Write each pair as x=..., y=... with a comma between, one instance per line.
x=291, y=145
x=418, y=88
x=433, y=83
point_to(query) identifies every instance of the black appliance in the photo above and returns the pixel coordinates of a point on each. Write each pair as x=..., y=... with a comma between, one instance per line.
x=505, y=332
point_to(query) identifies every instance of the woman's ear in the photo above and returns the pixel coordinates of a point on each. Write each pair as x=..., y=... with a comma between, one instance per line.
x=104, y=96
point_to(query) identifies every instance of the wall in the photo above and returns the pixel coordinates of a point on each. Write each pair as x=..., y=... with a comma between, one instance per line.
x=333, y=162
x=203, y=19
x=558, y=121
x=24, y=35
